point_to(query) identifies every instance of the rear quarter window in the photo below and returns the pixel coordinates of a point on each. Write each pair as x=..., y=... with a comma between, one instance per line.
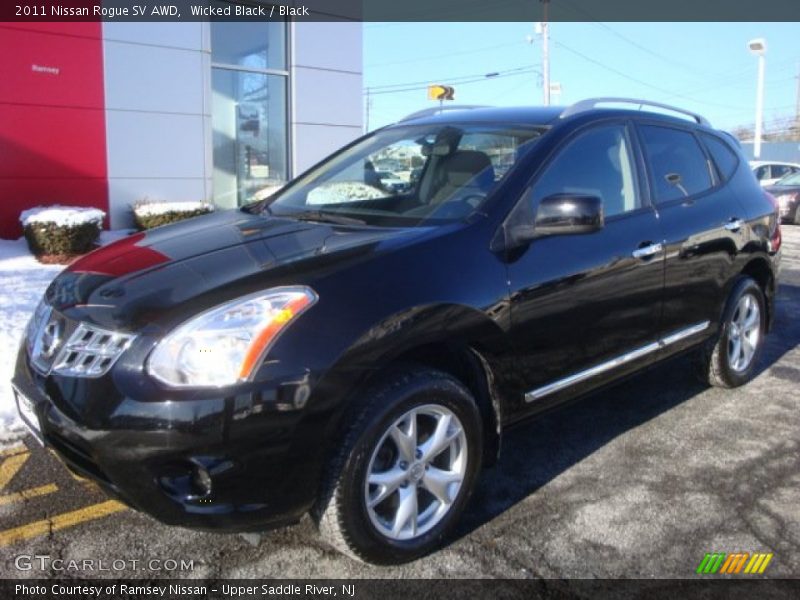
x=722, y=155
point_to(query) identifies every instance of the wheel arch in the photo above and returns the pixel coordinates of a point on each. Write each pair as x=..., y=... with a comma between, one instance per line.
x=474, y=371
x=760, y=270
x=458, y=340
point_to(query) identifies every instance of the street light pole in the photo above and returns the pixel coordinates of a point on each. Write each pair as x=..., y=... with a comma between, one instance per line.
x=545, y=53
x=759, y=48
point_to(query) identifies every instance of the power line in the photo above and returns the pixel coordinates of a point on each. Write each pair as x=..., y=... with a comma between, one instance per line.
x=641, y=82
x=437, y=57
x=425, y=84
x=594, y=21
x=376, y=89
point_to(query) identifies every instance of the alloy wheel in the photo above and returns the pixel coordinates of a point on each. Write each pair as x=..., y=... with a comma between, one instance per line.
x=416, y=472
x=744, y=333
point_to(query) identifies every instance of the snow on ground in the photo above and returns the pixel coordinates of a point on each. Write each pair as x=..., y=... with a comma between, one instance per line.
x=23, y=280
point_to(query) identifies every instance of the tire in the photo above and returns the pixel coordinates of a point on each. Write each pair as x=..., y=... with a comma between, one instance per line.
x=730, y=358
x=367, y=521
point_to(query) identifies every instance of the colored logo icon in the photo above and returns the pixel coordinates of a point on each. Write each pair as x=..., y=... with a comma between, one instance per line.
x=734, y=564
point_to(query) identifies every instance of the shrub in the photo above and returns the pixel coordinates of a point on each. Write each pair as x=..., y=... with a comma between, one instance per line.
x=147, y=215
x=61, y=231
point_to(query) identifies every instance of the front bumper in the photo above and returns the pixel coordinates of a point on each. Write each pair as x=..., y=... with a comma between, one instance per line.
x=262, y=457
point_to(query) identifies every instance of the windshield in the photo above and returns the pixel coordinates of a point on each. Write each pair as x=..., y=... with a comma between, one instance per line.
x=793, y=179
x=407, y=176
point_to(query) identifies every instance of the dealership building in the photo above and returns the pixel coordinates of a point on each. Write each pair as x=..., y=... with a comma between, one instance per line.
x=111, y=114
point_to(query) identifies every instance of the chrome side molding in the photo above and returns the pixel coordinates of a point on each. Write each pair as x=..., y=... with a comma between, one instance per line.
x=580, y=376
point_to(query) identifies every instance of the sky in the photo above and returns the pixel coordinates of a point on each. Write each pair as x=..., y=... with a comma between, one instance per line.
x=703, y=67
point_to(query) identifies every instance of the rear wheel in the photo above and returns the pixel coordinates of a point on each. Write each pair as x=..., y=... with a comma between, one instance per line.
x=729, y=360
x=405, y=470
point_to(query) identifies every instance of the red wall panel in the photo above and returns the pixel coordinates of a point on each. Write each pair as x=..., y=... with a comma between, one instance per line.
x=60, y=70
x=74, y=28
x=52, y=121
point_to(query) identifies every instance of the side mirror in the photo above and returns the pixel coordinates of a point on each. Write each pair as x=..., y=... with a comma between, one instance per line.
x=559, y=214
x=562, y=214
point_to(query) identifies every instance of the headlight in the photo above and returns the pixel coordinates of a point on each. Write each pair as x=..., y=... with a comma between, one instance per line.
x=784, y=200
x=226, y=344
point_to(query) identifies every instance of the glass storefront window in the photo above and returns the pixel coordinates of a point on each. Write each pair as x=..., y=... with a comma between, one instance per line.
x=249, y=122
x=249, y=110
x=257, y=46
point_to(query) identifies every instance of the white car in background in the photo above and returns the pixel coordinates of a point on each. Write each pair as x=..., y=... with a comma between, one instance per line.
x=769, y=172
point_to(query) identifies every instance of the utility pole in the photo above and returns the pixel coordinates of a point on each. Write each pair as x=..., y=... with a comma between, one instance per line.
x=545, y=53
x=797, y=101
x=366, y=119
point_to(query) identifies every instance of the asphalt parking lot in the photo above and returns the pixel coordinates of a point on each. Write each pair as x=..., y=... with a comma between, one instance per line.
x=637, y=482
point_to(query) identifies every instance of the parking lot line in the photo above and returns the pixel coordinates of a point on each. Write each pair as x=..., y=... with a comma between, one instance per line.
x=11, y=466
x=19, y=448
x=42, y=490
x=62, y=521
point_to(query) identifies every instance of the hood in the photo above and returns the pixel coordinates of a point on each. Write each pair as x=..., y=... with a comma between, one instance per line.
x=134, y=280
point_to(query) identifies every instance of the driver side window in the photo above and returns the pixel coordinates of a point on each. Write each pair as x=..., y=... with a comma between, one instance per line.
x=596, y=163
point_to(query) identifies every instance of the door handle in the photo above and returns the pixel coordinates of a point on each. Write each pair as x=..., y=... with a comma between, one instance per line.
x=648, y=251
x=734, y=224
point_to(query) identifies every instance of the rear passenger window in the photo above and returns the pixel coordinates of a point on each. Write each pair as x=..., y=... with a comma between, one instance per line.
x=677, y=163
x=725, y=158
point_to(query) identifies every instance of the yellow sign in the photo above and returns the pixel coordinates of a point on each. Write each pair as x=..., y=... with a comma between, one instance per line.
x=441, y=92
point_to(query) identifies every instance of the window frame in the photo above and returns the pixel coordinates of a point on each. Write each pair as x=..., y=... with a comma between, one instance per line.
x=716, y=182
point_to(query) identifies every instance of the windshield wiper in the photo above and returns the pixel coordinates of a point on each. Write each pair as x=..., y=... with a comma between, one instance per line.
x=325, y=217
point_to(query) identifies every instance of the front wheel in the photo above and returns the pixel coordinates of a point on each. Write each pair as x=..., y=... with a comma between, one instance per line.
x=729, y=360
x=405, y=470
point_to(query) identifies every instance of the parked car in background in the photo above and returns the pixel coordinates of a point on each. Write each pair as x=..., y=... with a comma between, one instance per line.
x=787, y=194
x=770, y=172
x=357, y=352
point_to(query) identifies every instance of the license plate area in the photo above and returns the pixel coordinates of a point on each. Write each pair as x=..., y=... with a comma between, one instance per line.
x=28, y=414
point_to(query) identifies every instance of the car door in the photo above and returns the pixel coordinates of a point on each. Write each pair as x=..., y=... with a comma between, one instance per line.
x=585, y=307
x=703, y=224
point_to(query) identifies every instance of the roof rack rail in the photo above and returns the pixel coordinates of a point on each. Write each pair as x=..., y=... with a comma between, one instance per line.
x=590, y=103
x=427, y=112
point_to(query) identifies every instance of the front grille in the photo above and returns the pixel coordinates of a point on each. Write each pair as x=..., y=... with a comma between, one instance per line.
x=91, y=351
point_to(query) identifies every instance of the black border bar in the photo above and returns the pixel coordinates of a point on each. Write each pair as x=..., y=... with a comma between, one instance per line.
x=400, y=10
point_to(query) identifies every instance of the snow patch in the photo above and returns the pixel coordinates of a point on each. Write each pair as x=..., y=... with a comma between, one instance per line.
x=23, y=281
x=65, y=216
x=149, y=209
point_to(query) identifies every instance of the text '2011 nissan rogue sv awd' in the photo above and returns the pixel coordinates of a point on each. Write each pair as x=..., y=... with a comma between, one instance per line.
x=355, y=350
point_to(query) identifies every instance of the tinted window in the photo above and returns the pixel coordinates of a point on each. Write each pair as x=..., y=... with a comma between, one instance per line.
x=723, y=156
x=596, y=163
x=762, y=172
x=779, y=171
x=677, y=163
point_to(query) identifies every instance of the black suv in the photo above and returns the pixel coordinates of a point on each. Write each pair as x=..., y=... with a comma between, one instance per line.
x=355, y=350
